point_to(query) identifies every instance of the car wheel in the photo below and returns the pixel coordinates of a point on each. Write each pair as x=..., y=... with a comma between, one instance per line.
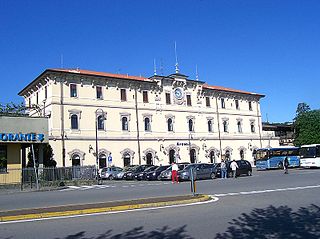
x=212, y=175
x=230, y=175
x=280, y=165
x=111, y=177
x=249, y=173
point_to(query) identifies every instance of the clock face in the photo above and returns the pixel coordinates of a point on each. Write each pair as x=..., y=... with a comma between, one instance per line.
x=178, y=93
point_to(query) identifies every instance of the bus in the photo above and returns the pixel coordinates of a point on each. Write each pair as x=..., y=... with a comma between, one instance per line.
x=310, y=155
x=272, y=158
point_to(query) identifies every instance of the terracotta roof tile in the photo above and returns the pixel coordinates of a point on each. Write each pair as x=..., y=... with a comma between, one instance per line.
x=211, y=87
x=97, y=73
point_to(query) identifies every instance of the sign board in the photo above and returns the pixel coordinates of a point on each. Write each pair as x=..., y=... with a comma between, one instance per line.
x=109, y=158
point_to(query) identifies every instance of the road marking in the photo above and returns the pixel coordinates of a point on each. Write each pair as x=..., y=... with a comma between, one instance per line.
x=266, y=191
x=213, y=199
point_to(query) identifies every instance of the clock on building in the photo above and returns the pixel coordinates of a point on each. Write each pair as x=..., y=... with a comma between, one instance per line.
x=178, y=93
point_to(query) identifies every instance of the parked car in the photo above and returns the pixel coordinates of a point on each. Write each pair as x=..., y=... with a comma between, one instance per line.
x=120, y=175
x=244, y=168
x=153, y=175
x=166, y=174
x=129, y=175
x=200, y=171
x=109, y=172
x=142, y=175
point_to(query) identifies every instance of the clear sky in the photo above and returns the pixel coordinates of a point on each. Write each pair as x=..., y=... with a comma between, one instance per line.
x=270, y=47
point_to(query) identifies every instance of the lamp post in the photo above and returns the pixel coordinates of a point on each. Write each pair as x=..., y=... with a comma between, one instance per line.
x=97, y=147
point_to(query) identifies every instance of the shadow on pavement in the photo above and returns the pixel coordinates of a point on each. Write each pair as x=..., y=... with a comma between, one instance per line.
x=138, y=232
x=273, y=222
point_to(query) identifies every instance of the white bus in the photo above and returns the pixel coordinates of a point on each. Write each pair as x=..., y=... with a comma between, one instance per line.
x=310, y=155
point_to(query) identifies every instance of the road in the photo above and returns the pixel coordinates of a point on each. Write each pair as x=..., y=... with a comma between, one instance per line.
x=266, y=205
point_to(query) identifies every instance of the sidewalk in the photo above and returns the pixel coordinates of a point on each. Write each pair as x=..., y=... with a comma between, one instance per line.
x=72, y=210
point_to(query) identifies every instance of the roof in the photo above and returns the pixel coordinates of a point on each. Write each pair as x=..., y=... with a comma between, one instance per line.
x=128, y=77
x=220, y=88
x=97, y=73
x=88, y=73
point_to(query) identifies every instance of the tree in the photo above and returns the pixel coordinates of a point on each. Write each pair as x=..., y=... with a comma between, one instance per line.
x=307, y=128
x=302, y=108
x=48, y=160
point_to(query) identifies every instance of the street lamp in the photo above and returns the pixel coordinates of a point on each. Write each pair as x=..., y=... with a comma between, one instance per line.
x=98, y=112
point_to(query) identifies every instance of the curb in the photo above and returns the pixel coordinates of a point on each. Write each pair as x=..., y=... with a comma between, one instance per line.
x=41, y=215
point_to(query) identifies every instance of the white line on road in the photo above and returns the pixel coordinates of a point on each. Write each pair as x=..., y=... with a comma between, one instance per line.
x=266, y=191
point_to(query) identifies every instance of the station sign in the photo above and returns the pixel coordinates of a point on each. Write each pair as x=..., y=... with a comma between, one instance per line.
x=20, y=137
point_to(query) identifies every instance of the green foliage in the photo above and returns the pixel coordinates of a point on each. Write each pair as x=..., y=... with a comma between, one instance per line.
x=48, y=160
x=307, y=128
x=12, y=109
x=302, y=108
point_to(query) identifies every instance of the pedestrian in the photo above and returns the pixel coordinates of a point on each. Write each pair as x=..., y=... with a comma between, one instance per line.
x=223, y=167
x=234, y=167
x=285, y=165
x=174, y=172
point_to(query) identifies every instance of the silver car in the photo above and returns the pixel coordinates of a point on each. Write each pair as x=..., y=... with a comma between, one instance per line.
x=166, y=174
x=109, y=172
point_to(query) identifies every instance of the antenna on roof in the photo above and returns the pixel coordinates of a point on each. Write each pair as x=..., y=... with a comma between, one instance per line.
x=61, y=60
x=154, y=67
x=197, y=76
x=175, y=52
x=161, y=67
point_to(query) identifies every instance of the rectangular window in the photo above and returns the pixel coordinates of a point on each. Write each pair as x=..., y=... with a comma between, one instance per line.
x=253, y=130
x=223, y=105
x=37, y=98
x=73, y=90
x=145, y=96
x=29, y=102
x=168, y=99
x=123, y=95
x=208, y=101
x=250, y=105
x=45, y=92
x=237, y=104
x=188, y=100
x=99, y=92
x=3, y=158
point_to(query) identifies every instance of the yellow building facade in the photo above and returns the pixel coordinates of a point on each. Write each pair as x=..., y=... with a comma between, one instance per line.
x=135, y=120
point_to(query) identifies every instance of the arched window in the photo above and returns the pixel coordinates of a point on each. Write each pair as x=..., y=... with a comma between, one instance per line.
x=190, y=124
x=102, y=160
x=209, y=125
x=74, y=121
x=253, y=130
x=101, y=122
x=126, y=160
x=241, y=154
x=225, y=126
x=212, y=157
x=125, y=123
x=75, y=160
x=170, y=125
x=239, y=127
x=147, y=125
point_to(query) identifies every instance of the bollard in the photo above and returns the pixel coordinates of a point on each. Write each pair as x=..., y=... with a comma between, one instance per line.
x=193, y=183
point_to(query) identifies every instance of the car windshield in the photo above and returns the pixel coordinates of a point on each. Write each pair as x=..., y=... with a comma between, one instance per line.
x=150, y=169
x=161, y=168
x=181, y=166
x=190, y=166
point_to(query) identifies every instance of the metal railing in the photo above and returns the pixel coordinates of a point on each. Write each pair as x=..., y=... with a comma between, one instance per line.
x=26, y=177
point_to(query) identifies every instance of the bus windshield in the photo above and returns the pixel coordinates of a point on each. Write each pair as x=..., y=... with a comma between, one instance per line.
x=261, y=154
x=308, y=152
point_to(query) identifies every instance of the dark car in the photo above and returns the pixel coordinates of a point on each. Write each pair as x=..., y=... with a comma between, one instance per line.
x=199, y=170
x=166, y=174
x=142, y=175
x=125, y=170
x=244, y=169
x=129, y=175
x=153, y=175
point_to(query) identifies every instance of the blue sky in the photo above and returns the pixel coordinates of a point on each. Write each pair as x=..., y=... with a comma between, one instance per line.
x=263, y=46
